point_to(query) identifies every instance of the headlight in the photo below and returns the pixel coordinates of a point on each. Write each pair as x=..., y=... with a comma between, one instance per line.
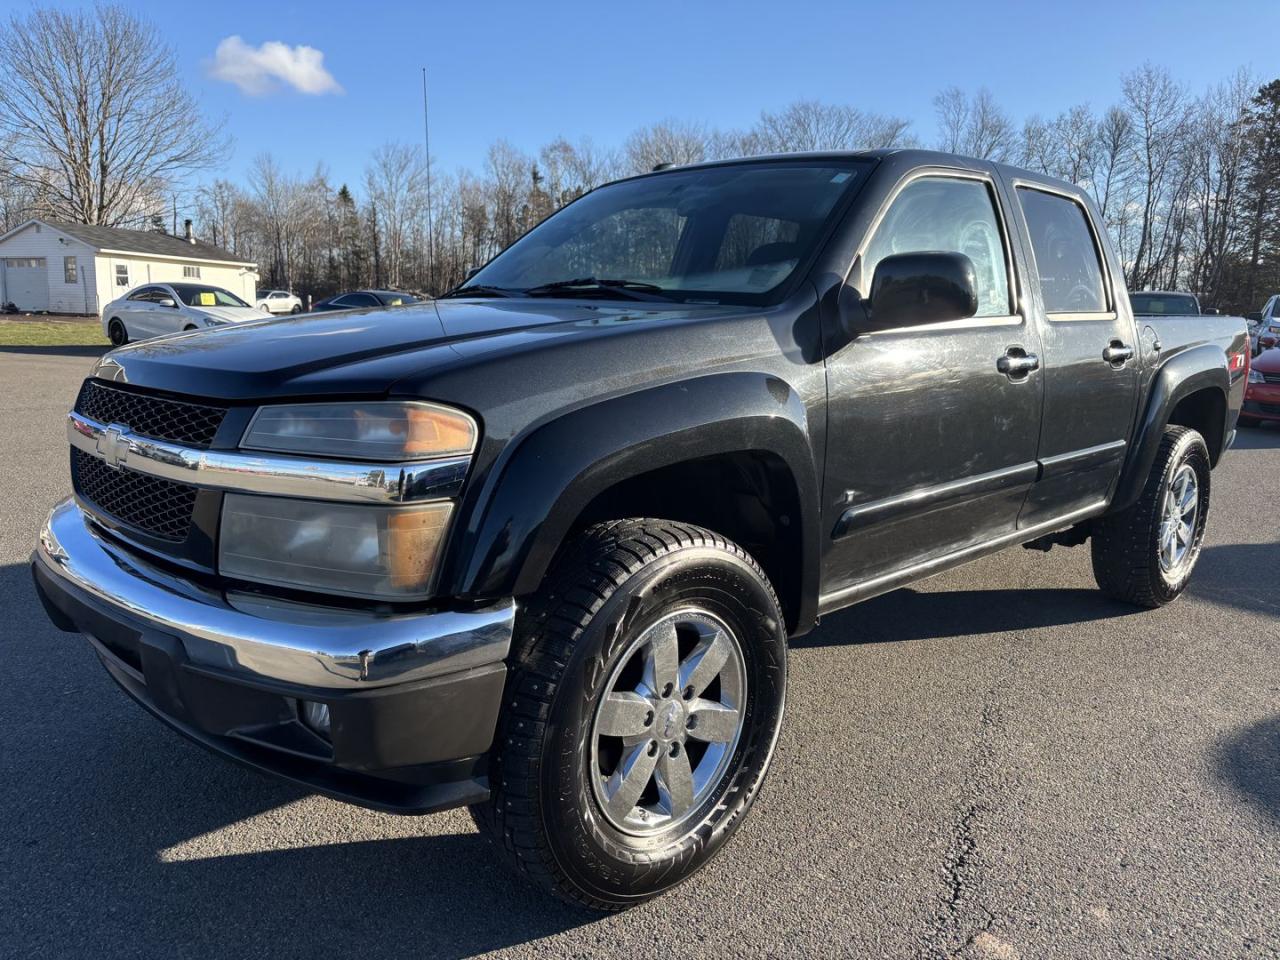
x=1255, y=376
x=383, y=553
x=386, y=430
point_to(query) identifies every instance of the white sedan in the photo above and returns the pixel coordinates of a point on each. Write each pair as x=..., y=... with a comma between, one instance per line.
x=160, y=308
x=279, y=301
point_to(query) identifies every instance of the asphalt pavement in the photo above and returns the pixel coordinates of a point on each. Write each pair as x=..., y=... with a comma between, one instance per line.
x=997, y=763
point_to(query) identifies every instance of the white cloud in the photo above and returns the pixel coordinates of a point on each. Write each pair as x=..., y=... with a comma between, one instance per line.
x=265, y=69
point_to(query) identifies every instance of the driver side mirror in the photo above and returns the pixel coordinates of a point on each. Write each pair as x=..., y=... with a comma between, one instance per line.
x=1256, y=316
x=167, y=302
x=471, y=272
x=913, y=289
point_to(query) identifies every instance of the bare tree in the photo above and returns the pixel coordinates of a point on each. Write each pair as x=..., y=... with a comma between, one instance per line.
x=666, y=142
x=97, y=121
x=395, y=180
x=974, y=126
x=810, y=125
x=1159, y=110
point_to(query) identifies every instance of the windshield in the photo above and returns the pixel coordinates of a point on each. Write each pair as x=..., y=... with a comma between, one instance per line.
x=732, y=234
x=199, y=295
x=1163, y=304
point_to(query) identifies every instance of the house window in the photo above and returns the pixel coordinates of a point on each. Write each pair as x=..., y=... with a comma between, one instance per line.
x=191, y=273
x=69, y=269
x=25, y=262
x=122, y=274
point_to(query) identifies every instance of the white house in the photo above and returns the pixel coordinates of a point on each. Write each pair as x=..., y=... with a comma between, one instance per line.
x=74, y=268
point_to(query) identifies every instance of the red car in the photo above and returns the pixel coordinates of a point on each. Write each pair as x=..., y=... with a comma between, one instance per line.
x=1262, y=395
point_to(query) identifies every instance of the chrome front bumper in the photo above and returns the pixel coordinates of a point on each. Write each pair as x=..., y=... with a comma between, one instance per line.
x=264, y=639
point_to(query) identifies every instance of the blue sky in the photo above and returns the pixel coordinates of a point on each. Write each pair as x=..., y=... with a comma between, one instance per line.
x=531, y=71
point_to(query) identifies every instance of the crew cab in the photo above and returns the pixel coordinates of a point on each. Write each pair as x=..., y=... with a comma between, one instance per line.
x=537, y=547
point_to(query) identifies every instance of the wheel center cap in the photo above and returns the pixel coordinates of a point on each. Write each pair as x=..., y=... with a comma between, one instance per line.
x=672, y=717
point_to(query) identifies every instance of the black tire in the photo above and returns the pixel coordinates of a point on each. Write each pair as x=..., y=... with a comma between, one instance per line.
x=297, y=308
x=1127, y=545
x=613, y=582
x=116, y=332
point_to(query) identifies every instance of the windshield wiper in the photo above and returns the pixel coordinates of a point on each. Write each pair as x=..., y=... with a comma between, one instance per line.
x=633, y=289
x=480, y=290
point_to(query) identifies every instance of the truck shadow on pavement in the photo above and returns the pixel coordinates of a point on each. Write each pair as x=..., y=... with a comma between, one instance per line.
x=1250, y=761
x=910, y=614
x=122, y=838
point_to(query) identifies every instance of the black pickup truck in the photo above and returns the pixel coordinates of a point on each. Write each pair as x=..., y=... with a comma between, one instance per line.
x=537, y=547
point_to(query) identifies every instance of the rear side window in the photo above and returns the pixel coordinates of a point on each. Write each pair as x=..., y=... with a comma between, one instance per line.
x=1071, y=278
x=953, y=215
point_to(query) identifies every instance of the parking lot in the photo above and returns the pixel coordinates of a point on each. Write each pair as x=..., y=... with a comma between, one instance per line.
x=996, y=763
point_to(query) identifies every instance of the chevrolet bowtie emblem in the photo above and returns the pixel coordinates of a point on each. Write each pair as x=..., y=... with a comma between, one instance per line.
x=112, y=446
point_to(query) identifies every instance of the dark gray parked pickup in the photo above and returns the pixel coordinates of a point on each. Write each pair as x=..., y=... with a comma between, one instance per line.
x=538, y=547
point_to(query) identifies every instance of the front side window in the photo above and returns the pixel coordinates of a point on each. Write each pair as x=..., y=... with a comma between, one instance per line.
x=948, y=215
x=191, y=273
x=122, y=275
x=69, y=269
x=199, y=295
x=1071, y=278
x=736, y=233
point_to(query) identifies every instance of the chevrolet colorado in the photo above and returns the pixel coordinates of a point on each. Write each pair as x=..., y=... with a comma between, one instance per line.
x=537, y=547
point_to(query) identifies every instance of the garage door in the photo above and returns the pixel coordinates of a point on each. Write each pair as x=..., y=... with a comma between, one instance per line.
x=26, y=282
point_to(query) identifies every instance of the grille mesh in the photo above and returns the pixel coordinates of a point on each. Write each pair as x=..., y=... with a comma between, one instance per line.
x=1271, y=377
x=191, y=423
x=160, y=507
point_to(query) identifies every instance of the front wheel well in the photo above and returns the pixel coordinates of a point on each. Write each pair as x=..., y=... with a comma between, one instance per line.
x=750, y=497
x=1204, y=411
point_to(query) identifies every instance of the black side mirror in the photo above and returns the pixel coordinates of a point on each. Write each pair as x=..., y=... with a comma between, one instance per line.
x=471, y=272
x=1256, y=316
x=911, y=289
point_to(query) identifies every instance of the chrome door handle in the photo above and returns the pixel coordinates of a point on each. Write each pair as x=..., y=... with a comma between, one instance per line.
x=1117, y=352
x=1016, y=364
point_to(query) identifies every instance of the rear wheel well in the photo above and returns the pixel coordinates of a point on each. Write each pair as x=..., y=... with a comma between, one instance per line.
x=750, y=497
x=1204, y=411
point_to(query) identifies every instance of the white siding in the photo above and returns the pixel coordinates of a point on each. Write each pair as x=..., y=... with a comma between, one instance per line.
x=41, y=241
x=242, y=281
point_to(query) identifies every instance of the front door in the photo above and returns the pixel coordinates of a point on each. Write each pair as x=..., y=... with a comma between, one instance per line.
x=1091, y=357
x=931, y=447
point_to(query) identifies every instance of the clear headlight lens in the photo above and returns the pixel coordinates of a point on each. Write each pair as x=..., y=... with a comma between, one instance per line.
x=382, y=553
x=1255, y=376
x=383, y=430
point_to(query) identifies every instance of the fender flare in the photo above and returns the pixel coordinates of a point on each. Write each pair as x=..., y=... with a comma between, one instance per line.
x=531, y=498
x=1190, y=371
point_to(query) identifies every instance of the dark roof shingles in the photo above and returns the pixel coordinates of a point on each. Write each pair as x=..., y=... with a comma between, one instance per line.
x=144, y=242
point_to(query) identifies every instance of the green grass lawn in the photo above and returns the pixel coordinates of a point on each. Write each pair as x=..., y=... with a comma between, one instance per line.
x=45, y=333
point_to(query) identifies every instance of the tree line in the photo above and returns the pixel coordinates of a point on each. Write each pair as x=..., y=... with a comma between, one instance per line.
x=1187, y=181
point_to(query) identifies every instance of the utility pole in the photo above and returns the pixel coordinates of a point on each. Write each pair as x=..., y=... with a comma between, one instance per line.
x=431, y=234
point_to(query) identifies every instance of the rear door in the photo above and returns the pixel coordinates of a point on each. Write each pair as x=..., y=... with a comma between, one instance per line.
x=1090, y=363
x=931, y=447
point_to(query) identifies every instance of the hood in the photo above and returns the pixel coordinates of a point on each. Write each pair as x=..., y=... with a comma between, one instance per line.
x=364, y=352
x=230, y=314
x=1268, y=361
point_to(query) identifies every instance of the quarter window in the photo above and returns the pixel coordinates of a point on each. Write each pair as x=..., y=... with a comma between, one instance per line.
x=122, y=275
x=69, y=269
x=1071, y=278
x=192, y=273
x=951, y=215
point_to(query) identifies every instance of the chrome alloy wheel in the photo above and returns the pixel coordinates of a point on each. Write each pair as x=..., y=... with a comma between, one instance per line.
x=669, y=722
x=1178, y=518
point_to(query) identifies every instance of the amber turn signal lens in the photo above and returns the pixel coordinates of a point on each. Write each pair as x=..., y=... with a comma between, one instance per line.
x=390, y=430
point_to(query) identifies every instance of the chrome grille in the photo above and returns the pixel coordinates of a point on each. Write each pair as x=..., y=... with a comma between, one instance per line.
x=161, y=508
x=194, y=424
x=1271, y=377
